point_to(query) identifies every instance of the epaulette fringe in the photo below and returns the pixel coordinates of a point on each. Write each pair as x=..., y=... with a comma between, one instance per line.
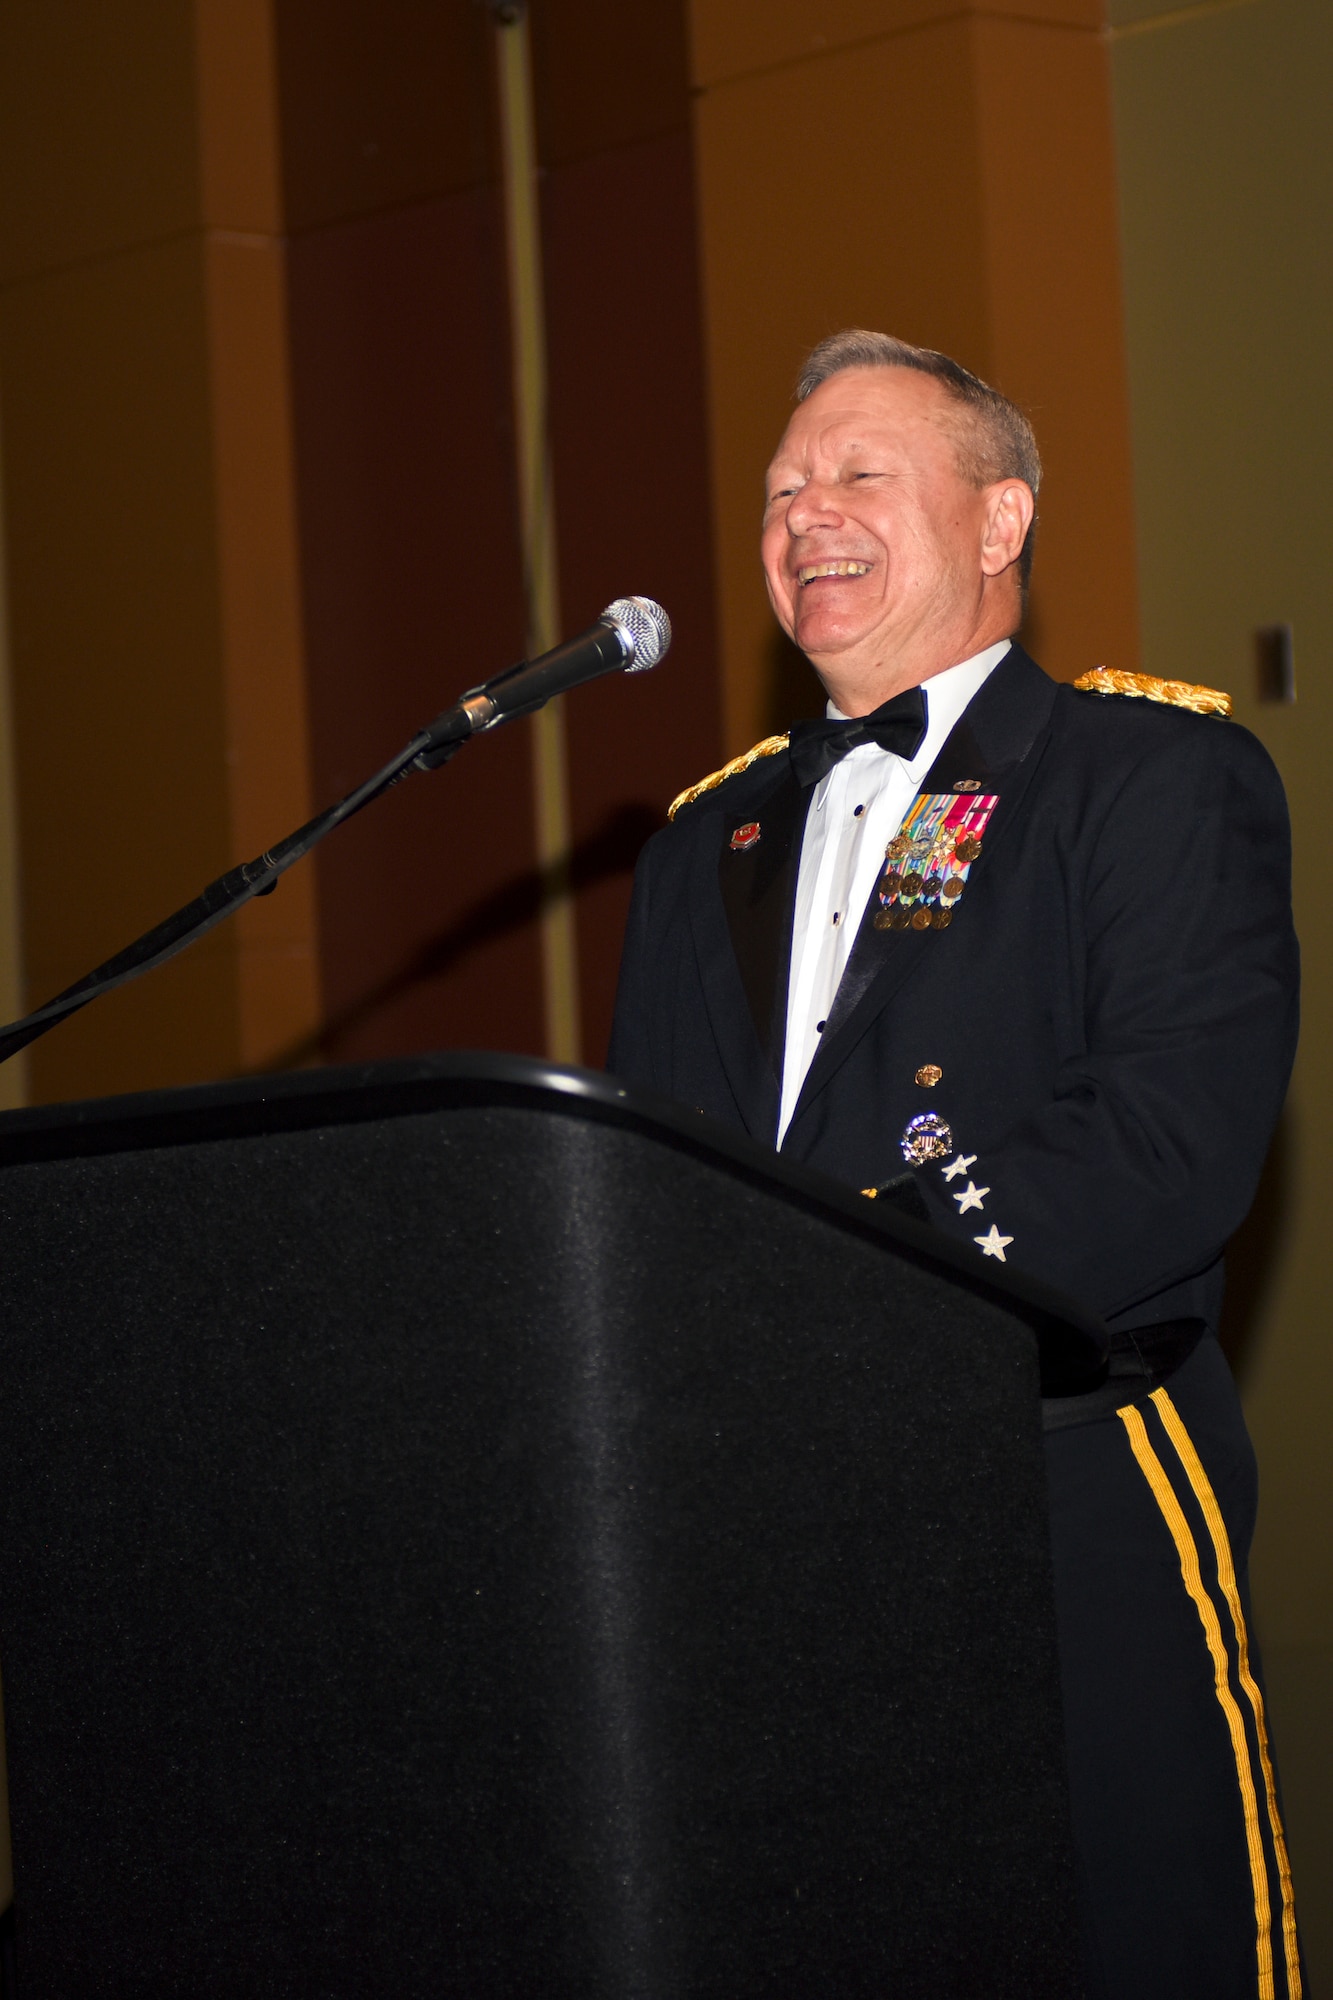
x=1180, y=694
x=1102, y=680
x=768, y=748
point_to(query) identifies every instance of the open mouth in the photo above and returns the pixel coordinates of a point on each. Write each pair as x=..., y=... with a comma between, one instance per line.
x=810, y=572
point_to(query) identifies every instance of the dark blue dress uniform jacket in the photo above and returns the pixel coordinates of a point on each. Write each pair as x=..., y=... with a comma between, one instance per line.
x=1113, y=1007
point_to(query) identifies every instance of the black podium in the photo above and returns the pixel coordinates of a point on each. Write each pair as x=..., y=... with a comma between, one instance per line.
x=467, y=1530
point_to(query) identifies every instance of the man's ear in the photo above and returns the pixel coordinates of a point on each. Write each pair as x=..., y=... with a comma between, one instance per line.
x=1010, y=507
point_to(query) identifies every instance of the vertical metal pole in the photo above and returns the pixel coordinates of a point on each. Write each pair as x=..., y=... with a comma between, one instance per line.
x=537, y=520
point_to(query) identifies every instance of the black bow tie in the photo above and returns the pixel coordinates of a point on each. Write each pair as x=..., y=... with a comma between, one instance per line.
x=899, y=725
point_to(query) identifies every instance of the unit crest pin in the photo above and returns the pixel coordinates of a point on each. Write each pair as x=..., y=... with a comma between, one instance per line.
x=745, y=836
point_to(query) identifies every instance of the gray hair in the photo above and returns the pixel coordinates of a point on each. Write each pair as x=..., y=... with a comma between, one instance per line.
x=995, y=441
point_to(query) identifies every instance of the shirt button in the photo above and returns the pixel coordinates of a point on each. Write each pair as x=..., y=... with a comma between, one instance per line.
x=857, y=811
x=820, y=1027
x=835, y=916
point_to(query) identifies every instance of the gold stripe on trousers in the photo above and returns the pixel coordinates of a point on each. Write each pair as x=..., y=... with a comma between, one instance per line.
x=1230, y=1655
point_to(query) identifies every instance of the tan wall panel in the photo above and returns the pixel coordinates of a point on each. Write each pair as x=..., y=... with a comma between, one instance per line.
x=1227, y=184
x=97, y=131
x=1052, y=240
x=735, y=37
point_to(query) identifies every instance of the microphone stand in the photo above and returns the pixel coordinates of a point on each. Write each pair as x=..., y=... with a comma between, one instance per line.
x=632, y=633
x=429, y=748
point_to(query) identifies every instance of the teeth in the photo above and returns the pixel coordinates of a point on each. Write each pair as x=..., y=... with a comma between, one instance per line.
x=812, y=570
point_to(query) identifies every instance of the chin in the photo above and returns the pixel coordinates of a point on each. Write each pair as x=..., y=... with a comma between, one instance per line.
x=826, y=635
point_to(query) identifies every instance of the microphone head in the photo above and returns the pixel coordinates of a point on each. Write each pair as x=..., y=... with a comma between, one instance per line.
x=645, y=629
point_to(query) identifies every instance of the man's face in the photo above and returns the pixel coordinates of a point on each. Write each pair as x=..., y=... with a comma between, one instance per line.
x=873, y=544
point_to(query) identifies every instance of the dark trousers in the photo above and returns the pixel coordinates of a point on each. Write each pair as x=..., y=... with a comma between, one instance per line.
x=1184, y=1885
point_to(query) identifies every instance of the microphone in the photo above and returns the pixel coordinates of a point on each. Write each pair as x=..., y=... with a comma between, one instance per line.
x=632, y=634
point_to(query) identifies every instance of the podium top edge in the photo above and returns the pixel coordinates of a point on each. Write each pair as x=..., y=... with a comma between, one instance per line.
x=361, y=1092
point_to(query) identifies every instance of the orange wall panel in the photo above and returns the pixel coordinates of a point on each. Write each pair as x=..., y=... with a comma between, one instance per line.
x=238, y=138
x=732, y=38
x=265, y=752
x=953, y=184
x=117, y=694
x=1057, y=342
x=838, y=192
x=157, y=674
x=98, y=133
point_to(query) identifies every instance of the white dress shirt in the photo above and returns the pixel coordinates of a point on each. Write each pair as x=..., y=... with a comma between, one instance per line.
x=855, y=812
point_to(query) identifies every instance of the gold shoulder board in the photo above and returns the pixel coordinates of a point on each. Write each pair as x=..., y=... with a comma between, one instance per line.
x=1180, y=694
x=768, y=748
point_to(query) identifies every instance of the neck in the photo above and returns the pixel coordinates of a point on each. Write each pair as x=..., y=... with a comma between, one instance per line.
x=859, y=687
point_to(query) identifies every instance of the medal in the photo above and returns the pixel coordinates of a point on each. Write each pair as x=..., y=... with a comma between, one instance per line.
x=930, y=858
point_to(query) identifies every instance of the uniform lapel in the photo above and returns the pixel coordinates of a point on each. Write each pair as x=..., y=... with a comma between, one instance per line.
x=993, y=743
x=758, y=887
x=741, y=912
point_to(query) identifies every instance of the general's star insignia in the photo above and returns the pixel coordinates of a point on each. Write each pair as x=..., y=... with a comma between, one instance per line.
x=971, y=1197
x=959, y=1166
x=992, y=1244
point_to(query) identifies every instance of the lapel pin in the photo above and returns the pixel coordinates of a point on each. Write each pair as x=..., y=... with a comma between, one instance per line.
x=745, y=836
x=927, y=1137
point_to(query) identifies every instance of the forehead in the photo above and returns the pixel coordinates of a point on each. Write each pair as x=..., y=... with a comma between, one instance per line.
x=869, y=408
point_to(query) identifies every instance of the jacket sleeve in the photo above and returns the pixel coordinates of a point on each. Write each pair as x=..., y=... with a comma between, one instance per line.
x=1144, y=1160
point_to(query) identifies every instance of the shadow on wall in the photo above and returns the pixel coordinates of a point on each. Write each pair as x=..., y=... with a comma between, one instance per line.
x=1255, y=1251
x=792, y=689
x=612, y=850
x=1031, y=633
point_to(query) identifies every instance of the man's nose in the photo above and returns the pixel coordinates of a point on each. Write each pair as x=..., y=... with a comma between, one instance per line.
x=813, y=506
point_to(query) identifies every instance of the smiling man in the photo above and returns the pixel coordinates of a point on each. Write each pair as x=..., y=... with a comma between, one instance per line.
x=1019, y=956
x=895, y=522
